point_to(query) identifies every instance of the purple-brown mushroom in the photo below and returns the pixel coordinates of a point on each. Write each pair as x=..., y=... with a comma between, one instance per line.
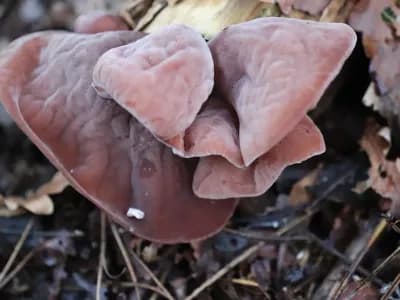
x=273, y=70
x=216, y=178
x=164, y=132
x=162, y=79
x=107, y=155
x=268, y=73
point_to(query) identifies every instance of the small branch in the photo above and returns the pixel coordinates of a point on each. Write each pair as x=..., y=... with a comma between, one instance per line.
x=18, y=267
x=261, y=236
x=125, y=256
x=392, y=288
x=101, y=255
x=166, y=293
x=17, y=248
x=246, y=254
x=345, y=260
x=375, y=272
x=143, y=286
x=378, y=230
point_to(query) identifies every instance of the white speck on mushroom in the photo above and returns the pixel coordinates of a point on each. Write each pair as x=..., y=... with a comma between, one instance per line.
x=135, y=212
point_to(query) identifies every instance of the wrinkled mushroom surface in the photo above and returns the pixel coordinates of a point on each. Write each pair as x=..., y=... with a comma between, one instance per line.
x=162, y=79
x=272, y=71
x=216, y=178
x=264, y=87
x=45, y=84
x=110, y=109
x=213, y=132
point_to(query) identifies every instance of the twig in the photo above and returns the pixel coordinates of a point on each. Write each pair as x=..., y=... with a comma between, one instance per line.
x=166, y=293
x=101, y=255
x=163, y=276
x=18, y=267
x=261, y=236
x=144, y=286
x=392, y=288
x=346, y=279
x=17, y=248
x=378, y=230
x=330, y=283
x=314, y=207
x=247, y=253
x=112, y=276
x=317, y=202
x=345, y=259
x=294, y=223
x=39, y=233
x=252, y=284
x=125, y=256
x=375, y=272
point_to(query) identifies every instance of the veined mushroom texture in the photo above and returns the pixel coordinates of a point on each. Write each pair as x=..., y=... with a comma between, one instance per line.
x=189, y=126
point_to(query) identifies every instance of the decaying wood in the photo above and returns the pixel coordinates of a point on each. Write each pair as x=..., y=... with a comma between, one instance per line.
x=211, y=16
x=135, y=11
x=152, y=12
x=208, y=16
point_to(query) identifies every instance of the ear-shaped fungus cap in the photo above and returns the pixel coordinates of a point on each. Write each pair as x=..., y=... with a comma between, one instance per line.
x=162, y=79
x=273, y=70
x=45, y=84
x=268, y=74
x=216, y=178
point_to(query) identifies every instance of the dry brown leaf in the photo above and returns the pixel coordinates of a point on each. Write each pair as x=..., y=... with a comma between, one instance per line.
x=386, y=66
x=37, y=202
x=384, y=176
x=150, y=253
x=379, y=22
x=367, y=18
x=6, y=212
x=38, y=205
x=56, y=185
x=299, y=194
x=371, y=99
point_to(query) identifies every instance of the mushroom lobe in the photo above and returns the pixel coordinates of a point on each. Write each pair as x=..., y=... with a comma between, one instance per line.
x=108, y=155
